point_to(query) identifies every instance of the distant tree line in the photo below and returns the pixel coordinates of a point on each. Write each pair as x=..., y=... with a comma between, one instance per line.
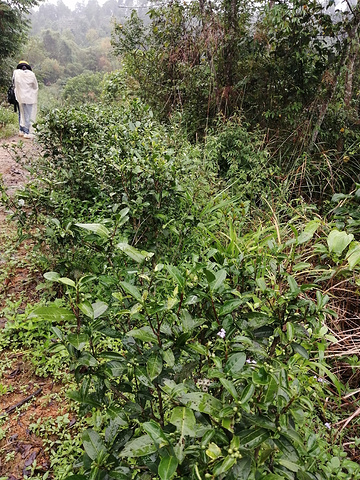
x=61, y=43
x=65, y=43
x=85, y=24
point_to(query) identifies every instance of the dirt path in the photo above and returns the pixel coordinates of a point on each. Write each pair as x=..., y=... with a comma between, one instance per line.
x=25, y=398
x=15, y=275
x=13, y=175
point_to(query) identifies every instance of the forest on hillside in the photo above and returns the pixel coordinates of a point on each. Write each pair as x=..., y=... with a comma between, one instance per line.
x=64, y=43
x=194, y=216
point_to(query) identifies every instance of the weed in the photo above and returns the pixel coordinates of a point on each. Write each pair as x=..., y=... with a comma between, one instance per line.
x=10, y=456
x=8, y=122
x=62, y=440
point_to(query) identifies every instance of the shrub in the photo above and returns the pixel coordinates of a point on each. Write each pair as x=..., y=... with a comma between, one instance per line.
x=209, y=369
x=9, y=123
x=85, y=88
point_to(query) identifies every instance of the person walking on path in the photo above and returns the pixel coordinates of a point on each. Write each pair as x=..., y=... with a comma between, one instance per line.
x=26, y=93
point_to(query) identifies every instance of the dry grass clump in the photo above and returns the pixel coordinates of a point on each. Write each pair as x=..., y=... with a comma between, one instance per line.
x=344, y=355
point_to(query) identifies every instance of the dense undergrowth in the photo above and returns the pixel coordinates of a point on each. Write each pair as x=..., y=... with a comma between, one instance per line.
x=196, y=300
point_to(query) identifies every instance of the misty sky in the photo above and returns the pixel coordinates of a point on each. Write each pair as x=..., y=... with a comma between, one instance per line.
x=342, y=4
x=70, y=3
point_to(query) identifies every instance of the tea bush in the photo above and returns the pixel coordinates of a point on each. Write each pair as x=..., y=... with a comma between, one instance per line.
x=132, y=164
x=135, y=164
x=196, y=330
x=214, y=368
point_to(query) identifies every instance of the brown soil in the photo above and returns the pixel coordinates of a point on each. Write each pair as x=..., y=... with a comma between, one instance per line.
x=24, y=398
x=18, y=279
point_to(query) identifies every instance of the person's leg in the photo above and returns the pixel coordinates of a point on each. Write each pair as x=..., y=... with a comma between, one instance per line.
x=27, y=108
x=21, y=128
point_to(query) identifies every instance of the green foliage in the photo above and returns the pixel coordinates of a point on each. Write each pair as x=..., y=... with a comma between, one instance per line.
x=171, y=76
x=118, y=87
x=135, y=166
x=320, y=175
x=241, y=157
x=292, y=73
x=206, y=376
x=56, y=56
x=14, y=27
x=346, y=211
x=60, y=437
x=62, y=45
x=89, y=22
x=9, y=123
x=211, y=366
x=189, y=300
x=84, y=88
x=196, y=331
x=49, y=98
x=298, y=35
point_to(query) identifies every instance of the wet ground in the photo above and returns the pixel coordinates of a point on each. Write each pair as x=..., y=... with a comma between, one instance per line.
x=25, y=398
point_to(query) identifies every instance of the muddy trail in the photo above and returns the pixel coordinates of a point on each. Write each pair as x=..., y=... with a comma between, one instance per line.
x=26, y=399
x=15, y=156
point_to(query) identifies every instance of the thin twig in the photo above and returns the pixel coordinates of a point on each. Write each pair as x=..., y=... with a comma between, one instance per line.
x=348, y=420
x=25, y=400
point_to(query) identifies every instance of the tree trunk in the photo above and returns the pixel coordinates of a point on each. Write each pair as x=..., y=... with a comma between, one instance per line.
x=229, y=54
x=349, y=78
x=347, y=62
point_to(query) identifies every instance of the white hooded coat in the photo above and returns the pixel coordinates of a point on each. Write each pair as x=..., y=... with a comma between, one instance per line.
x=26, y=92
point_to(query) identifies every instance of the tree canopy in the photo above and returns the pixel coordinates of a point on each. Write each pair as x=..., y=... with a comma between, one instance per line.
x=288, y=66
x=13, y=27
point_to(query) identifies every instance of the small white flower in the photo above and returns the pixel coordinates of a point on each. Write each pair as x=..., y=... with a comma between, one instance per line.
x=248, y=360
x=222, y=333
x=327, y=425
x=320, y=379
x=21, y=202
x=203, y=384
